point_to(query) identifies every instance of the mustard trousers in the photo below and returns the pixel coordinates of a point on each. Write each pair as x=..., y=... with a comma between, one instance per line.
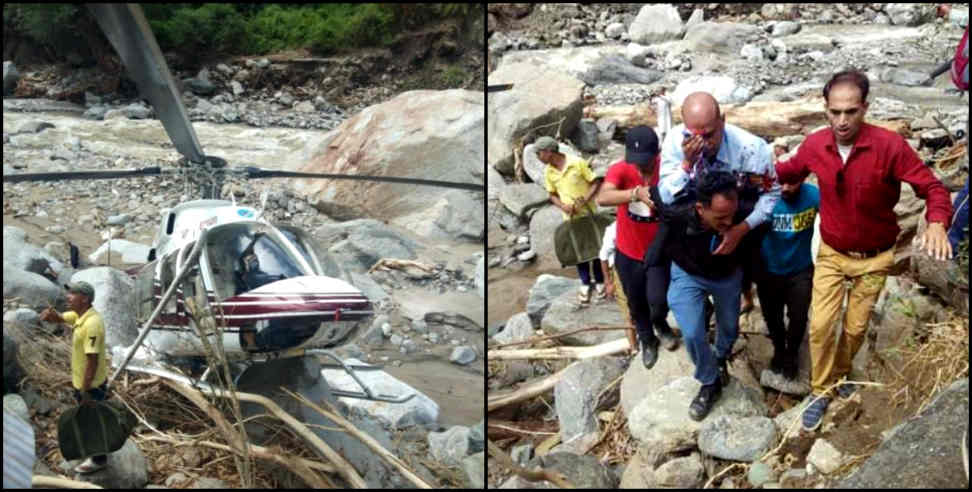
x=831, y=357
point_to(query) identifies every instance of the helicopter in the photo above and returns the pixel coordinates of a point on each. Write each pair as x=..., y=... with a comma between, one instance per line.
x=263, y=282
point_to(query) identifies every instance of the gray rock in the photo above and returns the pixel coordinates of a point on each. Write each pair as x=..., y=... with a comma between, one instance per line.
x=10, y=77
x=304, y=107
x=615, y=69
x=521, y=453
x=365, y=242
x=95, y=112
x=751, y=52
x=374, y=292
x=925, y=452
x=32, y=288
x=723, y=37
x=681, y=473
x=21, y=254
x=520, y=197
x=667, y=410
x=463, y=355
x=614, y=30
x=576, y=393
x=737, y=438
x=543, y=292
x=137, y=111
x=199, y=87
x=760, y=473
x=113, y=300
x=121, y=250
x=453, y=319
x=23, y=316
x=480, y=277
x=785, y=28
x=420, y=326
x=656, y=24
x=126, y=469
x=792, y=474
x=905, y=77
x=798, y=386
x=581, y=471
x=236, y=87
x=396, y=339
x=517, y=329
x=451, y=446
x=373, y=335
x=564, y=315
x=419, y=410
x=906, y=14
x=585, y=135
x=724, y=89
x=824, y=456
x=475, y=468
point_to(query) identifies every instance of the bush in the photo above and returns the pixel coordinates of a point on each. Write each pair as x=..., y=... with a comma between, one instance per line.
x=49, y=24
x=192, y=29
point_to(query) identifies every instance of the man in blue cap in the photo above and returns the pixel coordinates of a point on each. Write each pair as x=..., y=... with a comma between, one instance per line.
x=88, y=363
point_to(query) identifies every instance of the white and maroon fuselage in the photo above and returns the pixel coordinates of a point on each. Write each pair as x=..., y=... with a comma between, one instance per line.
x=285, y=302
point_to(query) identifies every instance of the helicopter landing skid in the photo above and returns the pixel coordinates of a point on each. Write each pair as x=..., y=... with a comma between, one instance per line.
x=364, y=395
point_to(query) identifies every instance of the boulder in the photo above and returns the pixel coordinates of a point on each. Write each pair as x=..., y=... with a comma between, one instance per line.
x=785, y=28
x=900, y=76
x=31, y=288
x=925, y=451
x=824, y=456
x=520, y=197
x=113, y=300
x=581, y=471
x=723, y=89
x=616, y=69
x=512, y=113
x=639, y=382
x=137, y=111
x=363, y=282
x=23, y=255
x=127, y=469
x=667, y=410
x=656, y=24
x=576, y=393
x=443, y=130
x=463, y=355
x=908, y=14
x=737, y=438
x=565, y=315
x=457, y=214
x=681, y=473
x=544, y=290
x=725, y=38
x=451, y=318
x=517, y=329
x=585, y=135
x=122, y=251
x=359, y=244
x=543, y=224
x=451, y=446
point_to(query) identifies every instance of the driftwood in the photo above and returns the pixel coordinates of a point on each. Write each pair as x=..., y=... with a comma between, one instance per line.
x=606, y=348
x=537, y=475
x=403, y=265
x=369, y=441
x=764, y=118
x=560, y=335
x=527, y=391
x=342, y=466
x=39, y=481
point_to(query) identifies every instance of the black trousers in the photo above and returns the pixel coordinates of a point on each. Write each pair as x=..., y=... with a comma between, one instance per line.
x=793, y=292
x=647, y=291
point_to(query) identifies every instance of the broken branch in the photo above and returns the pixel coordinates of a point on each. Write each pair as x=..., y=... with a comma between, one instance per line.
x=607, y=348
x=526, y=391
x=537, y=475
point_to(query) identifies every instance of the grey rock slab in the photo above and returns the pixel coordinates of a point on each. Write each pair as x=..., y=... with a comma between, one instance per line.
x=667, y=410
x=581, y=471
x=543, y=292
x=566, y=314
x=519, y=197
x=760, y=473
x=517, y=329
x=576, y=393
x=925, y=452
x=450, y=446
x=737, y=438
x=639, y=383
x=616, y=69
x=463, y=355
x=475, y=467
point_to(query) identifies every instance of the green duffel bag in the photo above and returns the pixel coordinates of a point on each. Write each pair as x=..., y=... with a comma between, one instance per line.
x=90, y=430
x=579, y=239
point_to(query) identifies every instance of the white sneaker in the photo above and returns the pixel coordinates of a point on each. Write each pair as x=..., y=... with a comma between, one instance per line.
x=88, y=466
x=584, y=294
x=599, y=288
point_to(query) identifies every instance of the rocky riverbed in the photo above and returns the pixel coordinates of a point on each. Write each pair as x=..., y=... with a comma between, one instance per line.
x=599, y=68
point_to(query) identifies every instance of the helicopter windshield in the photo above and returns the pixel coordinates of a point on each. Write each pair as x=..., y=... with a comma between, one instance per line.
x=244, y=259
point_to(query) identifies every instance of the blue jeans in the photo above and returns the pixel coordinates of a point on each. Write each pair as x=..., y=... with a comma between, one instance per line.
x=686, y=299
x=961, y=218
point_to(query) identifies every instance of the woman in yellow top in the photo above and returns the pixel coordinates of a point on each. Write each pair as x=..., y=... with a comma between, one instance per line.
x=88, y=364
x=571, y=185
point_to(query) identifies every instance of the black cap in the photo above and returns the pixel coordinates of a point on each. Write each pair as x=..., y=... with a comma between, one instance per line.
x=641, y=145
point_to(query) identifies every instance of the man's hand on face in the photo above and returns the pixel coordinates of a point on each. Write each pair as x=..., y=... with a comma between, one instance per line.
x=935, y=242
x=692, y=148
x=730, y=240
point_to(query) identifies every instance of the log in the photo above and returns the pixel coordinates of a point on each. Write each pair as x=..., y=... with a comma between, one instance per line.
x=369, y=441
x=526, y=391
x=41, y=481
x=606, y=348
x=768, y=119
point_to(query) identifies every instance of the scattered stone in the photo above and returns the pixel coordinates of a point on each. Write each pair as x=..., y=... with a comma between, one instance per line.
x=824, y=456
x=760, y=473
x=736, y=438
x=463, y=355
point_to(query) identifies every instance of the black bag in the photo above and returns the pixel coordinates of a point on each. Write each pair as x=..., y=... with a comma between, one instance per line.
x=90, y=430
x=579, y=239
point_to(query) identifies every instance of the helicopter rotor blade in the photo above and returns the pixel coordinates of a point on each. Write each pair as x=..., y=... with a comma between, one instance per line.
x=125, y=26
x=256, y=173
x=119, y=173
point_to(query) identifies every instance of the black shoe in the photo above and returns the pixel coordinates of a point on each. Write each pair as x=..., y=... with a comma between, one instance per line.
x=723, y=371
x=708, y=394
x=668, y=338
x=649, y=353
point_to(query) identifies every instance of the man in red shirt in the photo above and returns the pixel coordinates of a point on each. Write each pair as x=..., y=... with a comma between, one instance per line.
x=627, y=185
x=859, y=170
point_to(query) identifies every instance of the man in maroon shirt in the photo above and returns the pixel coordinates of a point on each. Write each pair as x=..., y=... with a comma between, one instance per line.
x=627, y=185
x=859, y=170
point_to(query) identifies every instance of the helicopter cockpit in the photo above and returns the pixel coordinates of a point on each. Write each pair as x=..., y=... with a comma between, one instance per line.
x=242, y=257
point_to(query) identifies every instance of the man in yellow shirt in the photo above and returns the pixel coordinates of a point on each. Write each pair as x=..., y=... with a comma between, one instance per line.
x=88, y=364
x=569, y=181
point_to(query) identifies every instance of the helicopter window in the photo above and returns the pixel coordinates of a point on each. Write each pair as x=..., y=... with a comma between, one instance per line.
x=261, y=260
x=299, y=244
x=170, y=225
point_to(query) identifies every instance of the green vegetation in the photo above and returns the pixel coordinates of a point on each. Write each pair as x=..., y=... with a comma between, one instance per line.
x=220, y=28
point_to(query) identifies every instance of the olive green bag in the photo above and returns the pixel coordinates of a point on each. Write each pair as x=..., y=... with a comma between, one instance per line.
x=90, y=430
x=579, y=239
